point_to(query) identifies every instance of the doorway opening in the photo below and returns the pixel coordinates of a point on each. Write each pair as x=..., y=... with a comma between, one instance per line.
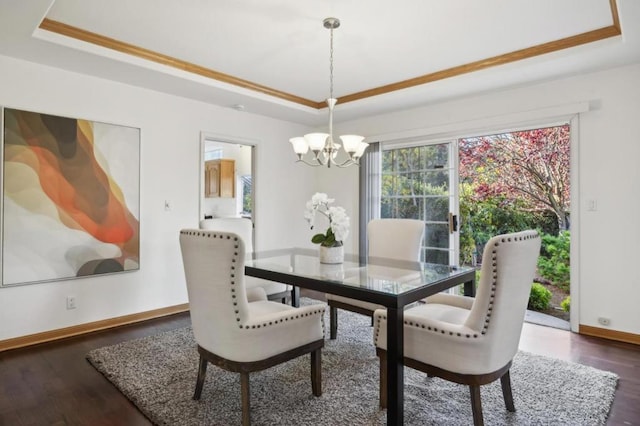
x=227, y=184
x=515, y=181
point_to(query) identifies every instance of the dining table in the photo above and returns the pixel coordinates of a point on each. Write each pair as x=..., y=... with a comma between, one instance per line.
x=391, y=283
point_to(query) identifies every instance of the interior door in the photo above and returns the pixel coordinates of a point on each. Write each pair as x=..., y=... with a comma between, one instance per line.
x=420, y=181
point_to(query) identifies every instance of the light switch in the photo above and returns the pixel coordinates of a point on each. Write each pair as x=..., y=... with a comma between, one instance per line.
x=592, y=205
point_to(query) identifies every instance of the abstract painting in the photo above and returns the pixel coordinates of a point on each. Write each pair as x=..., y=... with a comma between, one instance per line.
x=70, y=199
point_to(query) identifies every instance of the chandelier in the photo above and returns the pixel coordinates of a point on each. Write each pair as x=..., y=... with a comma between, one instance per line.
x=322, y=146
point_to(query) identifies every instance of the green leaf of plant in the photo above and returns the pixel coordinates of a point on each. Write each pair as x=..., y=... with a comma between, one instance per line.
x=330, y=240
x=318, y=239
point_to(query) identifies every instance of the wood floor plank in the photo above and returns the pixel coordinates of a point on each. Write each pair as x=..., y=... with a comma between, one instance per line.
x=53, y=383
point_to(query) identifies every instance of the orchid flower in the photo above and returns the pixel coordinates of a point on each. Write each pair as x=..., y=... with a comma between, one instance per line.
x=338, y=230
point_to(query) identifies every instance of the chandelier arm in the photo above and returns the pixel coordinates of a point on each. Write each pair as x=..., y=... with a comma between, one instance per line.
x=346, y=163
x=318, y=164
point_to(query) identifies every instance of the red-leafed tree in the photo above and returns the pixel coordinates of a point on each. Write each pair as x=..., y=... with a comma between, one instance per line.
x=531, y=165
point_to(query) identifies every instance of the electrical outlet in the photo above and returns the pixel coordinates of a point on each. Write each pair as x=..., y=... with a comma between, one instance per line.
x=71, y=302
x=604, y=321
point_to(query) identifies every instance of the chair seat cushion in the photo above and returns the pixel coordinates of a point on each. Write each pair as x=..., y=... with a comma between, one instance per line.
x=436, y=334
x=438, y=312
x=272, y=328
x=263, y=307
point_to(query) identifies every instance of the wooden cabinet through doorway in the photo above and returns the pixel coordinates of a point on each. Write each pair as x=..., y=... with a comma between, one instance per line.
x=219, y=178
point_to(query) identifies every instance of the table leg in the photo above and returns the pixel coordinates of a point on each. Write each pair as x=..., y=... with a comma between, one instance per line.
x=395, y=366
x=470, y=288
x=295, y=296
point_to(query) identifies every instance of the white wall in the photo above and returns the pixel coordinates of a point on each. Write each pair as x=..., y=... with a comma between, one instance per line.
x=609, y=149
x=609, y=152
x=170, y=154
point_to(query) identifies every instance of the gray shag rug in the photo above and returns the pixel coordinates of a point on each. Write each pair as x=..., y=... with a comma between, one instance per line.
x=158, y=375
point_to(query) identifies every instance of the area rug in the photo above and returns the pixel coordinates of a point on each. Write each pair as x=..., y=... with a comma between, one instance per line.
x=158, y=375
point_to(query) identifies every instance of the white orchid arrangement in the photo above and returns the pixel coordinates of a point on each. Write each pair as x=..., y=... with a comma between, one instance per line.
x=338, y=230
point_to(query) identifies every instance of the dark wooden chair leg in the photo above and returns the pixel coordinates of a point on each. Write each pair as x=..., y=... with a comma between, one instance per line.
x=316, y=372
x=333, y=322
x=476, y=405
x=383, y=382
x=505, y=381
x=246, y=406
x=202, y=372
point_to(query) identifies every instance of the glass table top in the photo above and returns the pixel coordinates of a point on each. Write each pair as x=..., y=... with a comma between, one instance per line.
x=378, y=275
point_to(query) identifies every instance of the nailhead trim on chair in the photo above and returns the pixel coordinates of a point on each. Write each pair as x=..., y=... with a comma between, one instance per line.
x=233, y=290
x=494, y=272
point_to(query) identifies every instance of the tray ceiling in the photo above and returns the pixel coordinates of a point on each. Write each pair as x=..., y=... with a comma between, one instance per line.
x=273, y=57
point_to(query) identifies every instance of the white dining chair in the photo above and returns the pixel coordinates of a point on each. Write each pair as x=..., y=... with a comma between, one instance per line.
x=244, y=228
x=467, y=340
x=238, y=333
x=398, y=239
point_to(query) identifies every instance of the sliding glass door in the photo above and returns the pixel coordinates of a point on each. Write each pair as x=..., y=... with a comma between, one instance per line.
x=419, y=180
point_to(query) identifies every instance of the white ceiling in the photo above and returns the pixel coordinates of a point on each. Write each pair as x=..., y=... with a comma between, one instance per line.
x=282, y=47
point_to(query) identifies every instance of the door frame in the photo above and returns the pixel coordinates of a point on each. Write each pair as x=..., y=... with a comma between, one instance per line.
x=541, y=117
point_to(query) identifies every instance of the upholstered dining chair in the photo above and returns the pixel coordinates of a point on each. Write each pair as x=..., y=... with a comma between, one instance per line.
x=398, y=239
x=244, y=228
x=236, y=332
x=471, y=341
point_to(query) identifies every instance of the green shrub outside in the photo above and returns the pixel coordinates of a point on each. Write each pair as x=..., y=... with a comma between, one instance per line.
x=539, y=297
x=566, y=304
x=482, y=219
x=553, y=263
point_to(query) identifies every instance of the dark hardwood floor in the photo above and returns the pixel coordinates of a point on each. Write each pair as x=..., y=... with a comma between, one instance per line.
x=53, y=384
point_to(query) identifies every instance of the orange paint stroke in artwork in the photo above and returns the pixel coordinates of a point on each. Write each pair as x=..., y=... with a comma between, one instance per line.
x=79, y=187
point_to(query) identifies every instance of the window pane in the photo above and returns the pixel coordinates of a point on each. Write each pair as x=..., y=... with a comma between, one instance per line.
x=435, y=156
x=437, y=181
x=436, y=209
x=408, y=208
x=436, y=256
x=405, y=184
x=437, y=235
x=388, y=185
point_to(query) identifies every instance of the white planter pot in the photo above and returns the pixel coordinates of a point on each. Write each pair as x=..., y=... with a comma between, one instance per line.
x=331, y=255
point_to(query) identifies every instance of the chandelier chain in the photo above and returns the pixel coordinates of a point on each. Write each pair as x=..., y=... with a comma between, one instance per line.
x=331, y=65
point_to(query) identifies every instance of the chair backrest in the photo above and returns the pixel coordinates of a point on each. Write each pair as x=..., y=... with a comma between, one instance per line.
x=508, y=268
x=399, y=239
x=214, y=271
x=238, y=225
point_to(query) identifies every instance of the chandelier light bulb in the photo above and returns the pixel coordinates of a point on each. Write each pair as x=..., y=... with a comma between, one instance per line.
x=316, y=141
x=300, y=146
x=362, y=146
x=351, y=142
